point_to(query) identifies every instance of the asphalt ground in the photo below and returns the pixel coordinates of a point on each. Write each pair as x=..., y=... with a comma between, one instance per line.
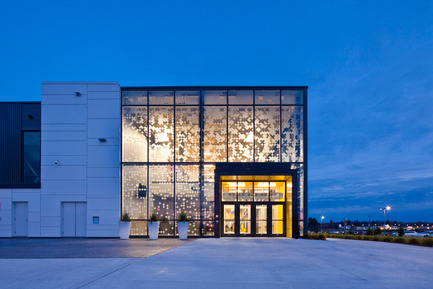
x=222, y=263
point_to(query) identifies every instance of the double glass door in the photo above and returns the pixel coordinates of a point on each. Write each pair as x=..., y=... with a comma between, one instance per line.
x=253, y=219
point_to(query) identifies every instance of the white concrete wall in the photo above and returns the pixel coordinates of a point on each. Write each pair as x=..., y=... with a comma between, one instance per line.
x=33, y=198
x=87, y=170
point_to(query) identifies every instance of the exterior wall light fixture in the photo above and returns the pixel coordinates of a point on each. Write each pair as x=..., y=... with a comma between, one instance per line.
x=102, y=139
x=77, y=93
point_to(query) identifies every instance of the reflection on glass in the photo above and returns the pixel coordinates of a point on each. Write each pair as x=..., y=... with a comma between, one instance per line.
x=188, y=97
x=267, y=96
x=187, y=134
x=208, y=228
x=32, y=157
x=245, y=191
x=241, y=134
x=267, y=133
x=228, y=191
x=134, y=134
x=261, y=191
x=215, y=134
x=215, y=97
x=277, y=219
x=138, y=228
x=240, y=96
x=166, y=228
x=161, y=97
x=292, y=96
x=161, y=191
x=187, y=191
x=135, y=191
x=229, y=219
x=161, y=126
x=261, y=219
x=292, y=142
x=134, y=97
x=245, y=219
x=277, y=191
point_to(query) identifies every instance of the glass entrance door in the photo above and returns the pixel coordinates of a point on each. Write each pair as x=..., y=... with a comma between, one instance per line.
x=249, y=219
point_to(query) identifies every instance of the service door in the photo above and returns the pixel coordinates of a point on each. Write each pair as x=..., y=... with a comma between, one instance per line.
x=80, y=219
x=74, y=219
x=20, y=219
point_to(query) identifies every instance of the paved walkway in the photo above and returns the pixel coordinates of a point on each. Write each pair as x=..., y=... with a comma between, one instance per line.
x=86, y=248
x=236, y=263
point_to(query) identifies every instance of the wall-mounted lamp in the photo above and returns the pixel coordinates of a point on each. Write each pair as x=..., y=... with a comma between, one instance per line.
x=57, y=163
x=30, y=116
x=77, y=93
x=102, y=139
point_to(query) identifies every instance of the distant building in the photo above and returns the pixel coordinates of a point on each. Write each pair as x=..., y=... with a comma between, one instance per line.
x=233, y=159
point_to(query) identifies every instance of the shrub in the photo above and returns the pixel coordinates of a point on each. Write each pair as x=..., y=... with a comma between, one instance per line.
x=386, y=239
x=376, y=238
x=413, y=241
x=153, y=218
x=321, y=236
x=369, y=231
x=427, y=242
x=400, y=232
x=377, y=231
x=125, y=218
x=400, y=240
x=183, y=217
x=358, y=237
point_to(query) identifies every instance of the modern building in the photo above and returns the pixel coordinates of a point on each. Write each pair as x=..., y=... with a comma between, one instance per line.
x=234, y=159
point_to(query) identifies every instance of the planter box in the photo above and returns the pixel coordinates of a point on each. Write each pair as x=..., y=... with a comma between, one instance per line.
x=124, y=228
x=182, y=227
x=153, y=228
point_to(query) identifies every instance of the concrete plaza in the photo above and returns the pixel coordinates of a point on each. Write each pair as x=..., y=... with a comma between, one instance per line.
x=220, y=263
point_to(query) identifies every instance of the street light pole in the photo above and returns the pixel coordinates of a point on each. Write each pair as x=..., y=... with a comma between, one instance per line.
x=321, y=221
x=386, y=209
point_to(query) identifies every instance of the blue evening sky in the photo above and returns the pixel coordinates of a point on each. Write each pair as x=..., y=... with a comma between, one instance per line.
x=368, y=65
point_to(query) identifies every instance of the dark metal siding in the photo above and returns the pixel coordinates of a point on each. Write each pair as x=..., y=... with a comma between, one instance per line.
x=12, y=124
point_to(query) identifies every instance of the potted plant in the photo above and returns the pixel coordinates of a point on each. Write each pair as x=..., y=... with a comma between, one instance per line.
x=153, y=227
x=182, y=226
x=124, y=226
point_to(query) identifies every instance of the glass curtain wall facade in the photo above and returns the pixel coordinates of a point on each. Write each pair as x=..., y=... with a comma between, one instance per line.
x=172, y=137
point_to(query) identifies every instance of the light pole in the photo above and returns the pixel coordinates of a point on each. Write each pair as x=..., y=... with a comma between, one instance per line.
x=386, y=209
x=321, y=221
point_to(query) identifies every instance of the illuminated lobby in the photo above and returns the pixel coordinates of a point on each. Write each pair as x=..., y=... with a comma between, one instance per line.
x=233, y=159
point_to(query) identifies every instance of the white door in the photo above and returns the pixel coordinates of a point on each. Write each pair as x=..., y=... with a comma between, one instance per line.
x=74, y=219
x=80, y=219
x=20, y=219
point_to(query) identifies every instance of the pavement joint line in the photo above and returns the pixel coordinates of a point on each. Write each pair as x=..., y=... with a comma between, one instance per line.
x=111, y=272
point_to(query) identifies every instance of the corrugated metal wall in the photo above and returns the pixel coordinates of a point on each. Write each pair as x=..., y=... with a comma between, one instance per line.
x=14, y=119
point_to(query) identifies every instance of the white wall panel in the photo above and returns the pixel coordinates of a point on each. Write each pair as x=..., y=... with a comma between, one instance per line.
x=50, y=221
x=65, y=160
x=63, y=135
x=64, y=99
x=108, y=86
x=63, y=127
x=109, y=142
x=62, y=173
x=64, y=114
x=111, y=204
x=103, y=187
x=103, y=172
x=63, y=148
x=63, y=88
x=103, y=156
x=50, y=231
x=104, y=108
x=65, y=187
x=103, y=95
x=106, y=128
x=88, y=170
